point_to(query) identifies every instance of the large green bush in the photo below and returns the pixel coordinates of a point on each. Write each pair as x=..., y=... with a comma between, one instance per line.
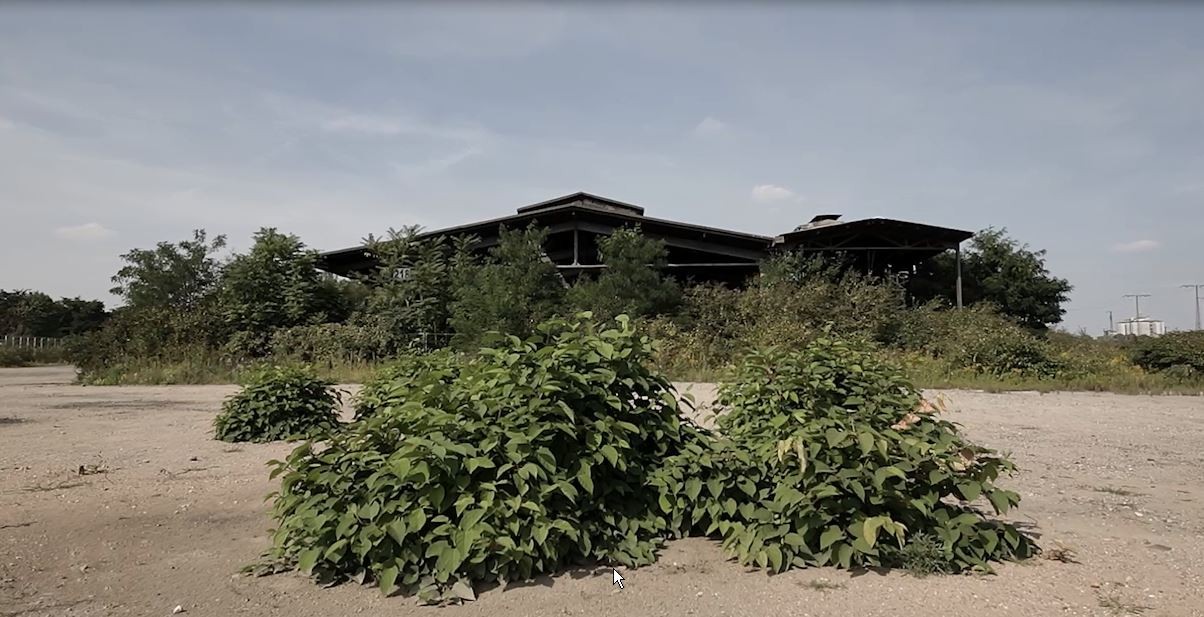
x=279, y=403
x=529, y=456
x=333, y=342
x=977, y=339
x=567, y=448
x=412, y=376
x=850, y=466
x=792, y=302
x=1181, y=353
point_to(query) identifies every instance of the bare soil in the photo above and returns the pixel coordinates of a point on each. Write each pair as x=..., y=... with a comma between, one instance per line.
x=116, y=501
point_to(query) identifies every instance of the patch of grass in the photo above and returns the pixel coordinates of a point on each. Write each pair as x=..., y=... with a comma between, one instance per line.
x=57, y=486
x=17, y=357
x=1061, y=553
x=1119, y=492
x=928, y=372
x=210, y=370
x=821, y=584
x=923, y=556
x=1119, y=606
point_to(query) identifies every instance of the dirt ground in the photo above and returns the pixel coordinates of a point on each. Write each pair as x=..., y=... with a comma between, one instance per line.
x=116, y=501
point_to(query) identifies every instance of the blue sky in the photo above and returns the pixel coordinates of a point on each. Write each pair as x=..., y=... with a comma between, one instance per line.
x=1079, y=128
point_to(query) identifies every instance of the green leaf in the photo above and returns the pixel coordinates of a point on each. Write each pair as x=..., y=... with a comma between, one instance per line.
x=882, y=473
x=397, y=530
x=774, y=554
x=969, y=490
x=999, y=501
x=829, y=536
x=585, y=479
x=865, y=440
x=844, y=555
x=388, y=580
x=869, y=528
x=463, y=590
x=693, y=487
x=307, y=559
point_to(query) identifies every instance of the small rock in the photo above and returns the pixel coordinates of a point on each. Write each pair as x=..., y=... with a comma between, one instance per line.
x=177, y=610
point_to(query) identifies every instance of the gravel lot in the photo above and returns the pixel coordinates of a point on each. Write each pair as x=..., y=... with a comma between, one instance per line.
x=163, y=516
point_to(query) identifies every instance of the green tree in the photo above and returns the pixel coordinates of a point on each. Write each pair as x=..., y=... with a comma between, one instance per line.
x=180, y=276
x=33, y=313
x=1001, y=271
x=513, y=290
x=633, y=281
x=410, y=288
x=274, y=285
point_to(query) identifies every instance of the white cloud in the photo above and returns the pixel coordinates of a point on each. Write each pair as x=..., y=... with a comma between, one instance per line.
x=436, y=165
x=364, y=124
x=87, y=231
x=1136, y=246
x=771, y=192
x=376, y=125
x=710, y=126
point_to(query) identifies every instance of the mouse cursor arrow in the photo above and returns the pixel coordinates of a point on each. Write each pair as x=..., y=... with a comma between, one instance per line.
x=618, y=578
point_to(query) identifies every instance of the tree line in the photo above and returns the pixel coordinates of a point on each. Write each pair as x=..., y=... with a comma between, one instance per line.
x=183, y=298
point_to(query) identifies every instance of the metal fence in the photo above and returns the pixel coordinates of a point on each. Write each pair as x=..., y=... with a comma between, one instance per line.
x=29, y=342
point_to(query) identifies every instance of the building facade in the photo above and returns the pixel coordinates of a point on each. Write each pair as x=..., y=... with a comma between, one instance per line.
x=696, y=253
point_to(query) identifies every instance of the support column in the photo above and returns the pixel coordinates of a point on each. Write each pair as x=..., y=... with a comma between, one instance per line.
x=575, y=256
x=958, y=253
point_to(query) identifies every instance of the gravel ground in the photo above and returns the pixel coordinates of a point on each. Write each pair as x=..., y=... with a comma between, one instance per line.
x=116, y=501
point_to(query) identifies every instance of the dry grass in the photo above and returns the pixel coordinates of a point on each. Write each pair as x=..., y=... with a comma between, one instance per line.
x=1119, y=606
x=1119, y=492
x=821, y=584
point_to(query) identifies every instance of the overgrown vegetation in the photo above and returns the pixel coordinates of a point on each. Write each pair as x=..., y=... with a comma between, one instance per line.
x=28, y=356
x=32, y=313
x=533, y=454
x=279, y=403
x=566, y=447
x=191, y=316
x=850, y=463
x=1178, y=353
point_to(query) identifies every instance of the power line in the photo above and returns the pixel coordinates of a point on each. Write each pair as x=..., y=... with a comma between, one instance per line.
x=1196, y=286
x=1136, y=303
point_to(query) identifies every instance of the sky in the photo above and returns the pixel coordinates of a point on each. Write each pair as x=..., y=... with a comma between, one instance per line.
x=1079, y=128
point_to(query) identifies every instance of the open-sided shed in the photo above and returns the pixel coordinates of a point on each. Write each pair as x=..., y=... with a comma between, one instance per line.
x=698, y=253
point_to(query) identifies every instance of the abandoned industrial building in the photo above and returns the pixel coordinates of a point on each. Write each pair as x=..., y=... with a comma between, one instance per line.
x=695, y=252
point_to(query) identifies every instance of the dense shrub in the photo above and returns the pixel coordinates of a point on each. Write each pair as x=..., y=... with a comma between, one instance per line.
x=279, y=403
x=793, y=302
x=514, y=289
x=145, y=336
x=566, y=448
x=633, y=283
x=1181, y=353
x=850, y=466
x=411, y=377
x=330, y=342
x=978, y=339
x=27, y=356
x=534, y=454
